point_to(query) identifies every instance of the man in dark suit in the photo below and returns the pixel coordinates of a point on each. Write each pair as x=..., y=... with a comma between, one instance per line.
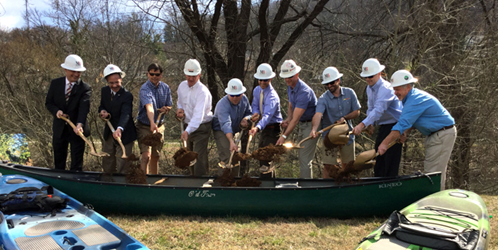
x=117, y=102
x=69, y=96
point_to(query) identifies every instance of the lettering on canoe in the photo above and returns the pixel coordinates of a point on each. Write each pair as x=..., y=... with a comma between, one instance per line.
x=200, y=194
x=391, y=185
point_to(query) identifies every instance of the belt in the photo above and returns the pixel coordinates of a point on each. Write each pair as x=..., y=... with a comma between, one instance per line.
x=273, y=125
x=443, y=128
x=305, y=121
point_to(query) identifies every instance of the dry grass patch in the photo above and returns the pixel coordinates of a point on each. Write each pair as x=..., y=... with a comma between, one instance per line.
x=194, y=232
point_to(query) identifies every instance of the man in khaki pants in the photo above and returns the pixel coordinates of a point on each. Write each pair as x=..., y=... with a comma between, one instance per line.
x=425, y=113
x=337, y=105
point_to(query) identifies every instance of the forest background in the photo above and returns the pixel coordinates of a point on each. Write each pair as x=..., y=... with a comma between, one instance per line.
x=450, y=45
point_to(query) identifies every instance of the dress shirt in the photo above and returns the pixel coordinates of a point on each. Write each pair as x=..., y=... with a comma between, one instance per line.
x=196, y=102
x=333, y=108
x=271, y=106
x=159, y=97
x=302, y=96
x=424, y=112
x=384, y=106
x=227, y=116
x=67, y=85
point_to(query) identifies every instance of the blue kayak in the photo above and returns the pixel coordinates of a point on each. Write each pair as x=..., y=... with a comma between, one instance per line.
x=33, y=215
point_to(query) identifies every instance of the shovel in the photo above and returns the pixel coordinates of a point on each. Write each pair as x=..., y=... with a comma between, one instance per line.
x=153, y=139
x=229, y=165
x=92, y=149
x=186, y=155
x=118, y=139
x=298, y=146
x=366, y=160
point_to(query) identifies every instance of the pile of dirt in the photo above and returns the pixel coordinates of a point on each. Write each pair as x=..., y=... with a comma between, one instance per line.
x=344, y=173
x=153, y=140
x=132, y=157
x=269, y=153
x=247, y=181
x=227, y=179
x=183, y=157
x=135, y=175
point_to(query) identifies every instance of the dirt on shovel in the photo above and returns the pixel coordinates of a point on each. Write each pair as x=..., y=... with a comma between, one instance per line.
x=228, y=180
x=344, y=173
x=153, y=140
x=240, y=157
x=269, y=153
x=183, y=157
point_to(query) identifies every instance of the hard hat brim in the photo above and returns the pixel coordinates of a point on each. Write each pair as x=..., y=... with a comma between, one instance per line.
x=290, y=74
x=123, y=74
x=339, y=76
x=261, y=77
x=192, y=73
x=228, y=92
x=363, y=74
x=73, y=69
x=414, y=80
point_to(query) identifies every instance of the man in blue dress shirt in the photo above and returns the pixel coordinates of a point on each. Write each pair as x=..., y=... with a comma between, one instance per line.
x=230, y=113
x=336, y=105
x=302, y=105
x=384, y=110
x=266, y=104
x=425, y=113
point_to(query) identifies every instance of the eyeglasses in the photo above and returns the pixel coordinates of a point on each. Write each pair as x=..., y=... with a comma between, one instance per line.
x=156, y=74
x=235, y=95
x=368, y=77
x=263, y=80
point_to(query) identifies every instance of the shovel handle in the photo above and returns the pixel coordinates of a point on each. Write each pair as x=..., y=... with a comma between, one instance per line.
x=107, y=120
x=92, y=149
x=317, y=133
x=159, y=118
x=388, y=146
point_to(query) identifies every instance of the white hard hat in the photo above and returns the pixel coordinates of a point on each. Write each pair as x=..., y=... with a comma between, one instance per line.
x=192, y=67
x=74, y=63
x=330, y=74
x=371, y=67
x=402, y=77
x=264, y=72
x=235, y=87
x=289, y=69
x=112, y=69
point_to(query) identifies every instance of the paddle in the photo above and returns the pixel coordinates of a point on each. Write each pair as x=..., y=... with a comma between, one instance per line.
x=117, y=139
x=92, y=149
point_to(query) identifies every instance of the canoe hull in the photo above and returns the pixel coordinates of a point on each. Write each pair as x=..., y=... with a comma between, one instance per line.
x=368, y=197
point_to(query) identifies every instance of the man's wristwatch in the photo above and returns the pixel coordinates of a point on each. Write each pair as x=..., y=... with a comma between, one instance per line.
x=285, y=137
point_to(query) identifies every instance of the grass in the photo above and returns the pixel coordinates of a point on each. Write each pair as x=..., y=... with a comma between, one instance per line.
x=194, y=232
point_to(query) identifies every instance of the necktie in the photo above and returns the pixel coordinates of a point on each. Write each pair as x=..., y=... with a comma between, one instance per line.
x=112, y=95
x=261, y=103
x=68, y=91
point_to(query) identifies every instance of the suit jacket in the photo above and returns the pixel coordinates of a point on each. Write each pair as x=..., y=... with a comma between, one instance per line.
x=77, y=106
x=120, y=108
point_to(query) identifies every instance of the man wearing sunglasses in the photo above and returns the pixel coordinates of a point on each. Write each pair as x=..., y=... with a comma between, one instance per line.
x=266, y=104
x=230, y=114
x=384, y=110
x=155, y=98
x=337, y=105
x=194, y=108
x=302, y=105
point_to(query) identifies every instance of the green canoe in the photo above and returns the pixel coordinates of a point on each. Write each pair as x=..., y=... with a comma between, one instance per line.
x=185, y=195
x=450, y=219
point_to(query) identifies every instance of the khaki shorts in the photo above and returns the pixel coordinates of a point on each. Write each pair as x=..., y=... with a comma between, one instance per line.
x=144, y=130
x=338, y=155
